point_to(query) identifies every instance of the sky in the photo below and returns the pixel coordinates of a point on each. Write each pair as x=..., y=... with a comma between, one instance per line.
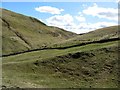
x=78, y=17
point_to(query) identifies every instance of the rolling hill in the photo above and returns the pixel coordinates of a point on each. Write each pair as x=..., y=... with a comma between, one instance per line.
x=99, y=35
x=42, y=56
x=28, y=33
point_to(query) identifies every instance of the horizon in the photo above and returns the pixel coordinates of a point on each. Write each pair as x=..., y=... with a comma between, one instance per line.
x=82, y=17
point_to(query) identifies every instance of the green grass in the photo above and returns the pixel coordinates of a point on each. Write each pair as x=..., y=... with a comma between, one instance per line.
x=43, y=54
x=96, y=35
x=72, y=71
x=92, y=65
x=38, y=35
x=30, y=30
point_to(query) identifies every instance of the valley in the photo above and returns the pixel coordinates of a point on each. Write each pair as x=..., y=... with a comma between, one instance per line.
x=39, y=56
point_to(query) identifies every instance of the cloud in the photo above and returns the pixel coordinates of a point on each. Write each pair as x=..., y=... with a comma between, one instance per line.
x=67, y=22
x=80, y=18
x=49, y=9
x=101, y=12
x=79, y=24
x=87, y=27
x=84, y=27
x=117, y=1
x=60, y=20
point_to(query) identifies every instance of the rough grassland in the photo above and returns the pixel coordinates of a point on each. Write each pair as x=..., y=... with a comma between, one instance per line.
x=28, y=33
x=87, y=66
x=57, y=58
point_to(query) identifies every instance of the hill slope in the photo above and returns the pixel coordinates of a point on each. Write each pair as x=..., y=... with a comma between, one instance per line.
x=28, y=33
x=92, y=37
x=21, y=33
x=94, y=65
x=78, y=61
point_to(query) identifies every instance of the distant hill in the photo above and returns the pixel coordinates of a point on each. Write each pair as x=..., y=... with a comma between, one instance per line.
x=21, y=33
x=96, y=35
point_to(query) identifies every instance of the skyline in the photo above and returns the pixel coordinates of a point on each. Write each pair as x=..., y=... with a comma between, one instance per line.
x=78, y=17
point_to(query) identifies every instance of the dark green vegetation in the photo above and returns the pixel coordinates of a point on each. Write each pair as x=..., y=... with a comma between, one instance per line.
x=39, y=58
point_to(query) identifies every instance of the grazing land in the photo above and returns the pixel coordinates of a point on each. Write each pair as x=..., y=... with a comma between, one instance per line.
x=39, y=56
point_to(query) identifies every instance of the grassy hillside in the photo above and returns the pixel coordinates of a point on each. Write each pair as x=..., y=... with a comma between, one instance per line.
x=96, y=35
x=68, y=60
x=28, y=33
x=87, y=66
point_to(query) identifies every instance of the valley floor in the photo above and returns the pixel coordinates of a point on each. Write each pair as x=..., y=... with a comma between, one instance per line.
x=92, y=65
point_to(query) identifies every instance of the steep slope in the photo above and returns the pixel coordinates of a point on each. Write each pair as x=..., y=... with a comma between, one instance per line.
x=21, y=33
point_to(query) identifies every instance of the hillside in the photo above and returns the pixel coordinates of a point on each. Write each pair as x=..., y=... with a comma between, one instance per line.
x=28, y=33
x=103, y=34
x=41, y=56
x=94, y=65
